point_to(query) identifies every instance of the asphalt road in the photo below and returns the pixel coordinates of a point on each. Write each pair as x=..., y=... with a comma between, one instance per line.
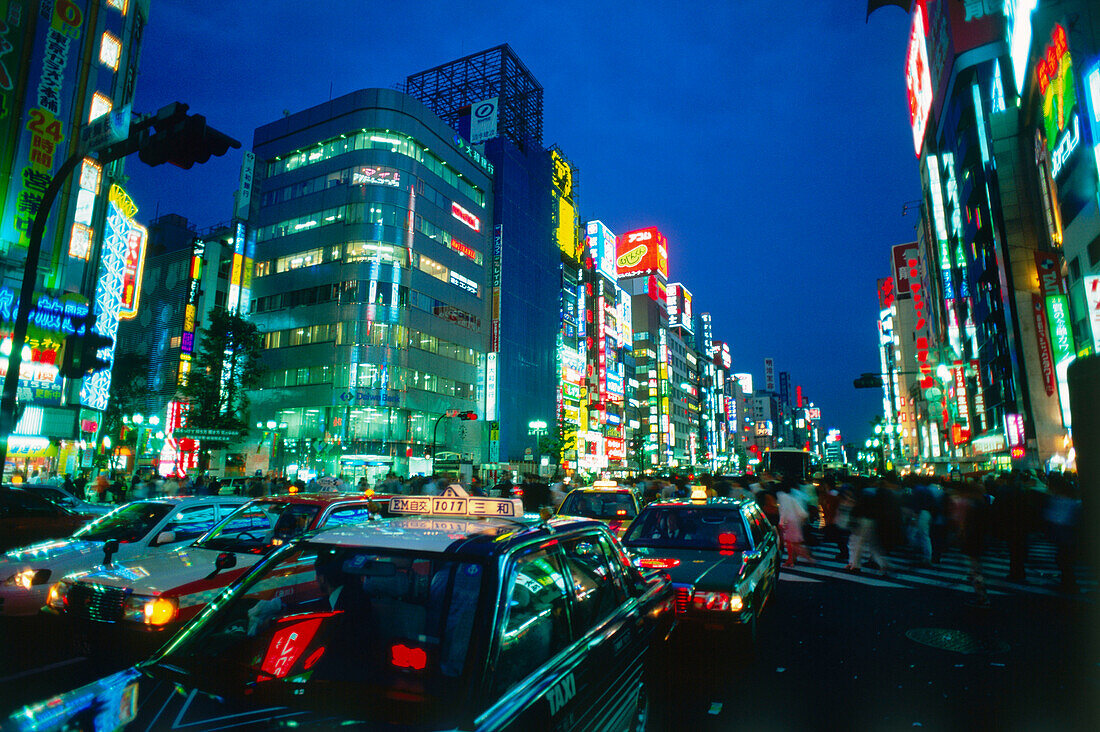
x=835, y=651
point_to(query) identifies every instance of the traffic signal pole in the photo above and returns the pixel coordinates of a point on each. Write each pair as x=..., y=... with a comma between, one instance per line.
x=23, y=314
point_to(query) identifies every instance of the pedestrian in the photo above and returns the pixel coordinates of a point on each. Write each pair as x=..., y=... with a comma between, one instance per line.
x=865, y=527
x=792, y=514
x=970, y=515
x=1062, y=514
x=536, y=493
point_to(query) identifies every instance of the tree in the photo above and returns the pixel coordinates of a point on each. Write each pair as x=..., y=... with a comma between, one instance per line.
x=223, y=369
x=128, y=387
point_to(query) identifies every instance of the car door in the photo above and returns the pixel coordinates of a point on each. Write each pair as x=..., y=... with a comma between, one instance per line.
x=607, y=621
x=765, y=551
x=530, y=679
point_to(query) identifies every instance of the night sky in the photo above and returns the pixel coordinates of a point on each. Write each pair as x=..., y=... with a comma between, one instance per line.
x=769, y=141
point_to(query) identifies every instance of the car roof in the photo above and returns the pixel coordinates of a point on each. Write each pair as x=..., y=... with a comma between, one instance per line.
x=601, y=489
x=449, y=535
x=319, y=499
x=710, y=502
x=177, y=500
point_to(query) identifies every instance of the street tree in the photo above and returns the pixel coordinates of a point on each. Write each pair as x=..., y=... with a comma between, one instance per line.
x=223, y=368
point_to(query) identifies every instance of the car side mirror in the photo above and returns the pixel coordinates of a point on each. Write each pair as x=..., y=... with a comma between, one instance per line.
x=109, y=548
x=165, y=537
x=225, y=560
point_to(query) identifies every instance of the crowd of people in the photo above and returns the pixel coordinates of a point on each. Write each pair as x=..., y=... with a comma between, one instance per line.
x=867, y=519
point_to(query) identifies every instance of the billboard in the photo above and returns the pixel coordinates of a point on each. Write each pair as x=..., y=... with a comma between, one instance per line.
x=601, y=247
x=1058, y=90
x=769, y=374
x=905, y=258
x=918, y=77
x=48, y=106
x=680, y=313
x=745, y=380
x=642, y=252
x=95, y=389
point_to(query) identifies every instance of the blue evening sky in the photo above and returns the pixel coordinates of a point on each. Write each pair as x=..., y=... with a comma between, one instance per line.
x=769, y=141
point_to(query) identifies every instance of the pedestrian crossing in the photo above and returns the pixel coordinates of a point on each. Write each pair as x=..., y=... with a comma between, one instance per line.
x=952, y=572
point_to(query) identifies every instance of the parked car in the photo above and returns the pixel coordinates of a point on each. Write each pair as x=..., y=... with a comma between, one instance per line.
x=604, y=501
x=65, y=499
x=26, y=518
x=129, y=531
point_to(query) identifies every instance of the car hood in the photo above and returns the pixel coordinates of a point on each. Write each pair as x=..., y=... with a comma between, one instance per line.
x=177, y=572
x=696, y=567
x=138, y=700
x=60, y=556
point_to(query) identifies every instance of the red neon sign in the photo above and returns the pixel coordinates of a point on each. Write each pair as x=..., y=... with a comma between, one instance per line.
x=465, y=217
x=918, y=77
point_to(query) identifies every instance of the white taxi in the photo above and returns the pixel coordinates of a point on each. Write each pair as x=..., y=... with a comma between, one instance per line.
x=129, y=531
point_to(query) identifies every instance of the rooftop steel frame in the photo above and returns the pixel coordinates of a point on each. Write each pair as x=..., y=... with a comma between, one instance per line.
x=496, y=72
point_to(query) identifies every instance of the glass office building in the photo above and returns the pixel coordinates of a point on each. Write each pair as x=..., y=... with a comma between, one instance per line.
x=370, y=285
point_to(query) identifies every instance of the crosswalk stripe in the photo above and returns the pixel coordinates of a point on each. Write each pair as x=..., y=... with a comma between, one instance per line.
x=952, y=572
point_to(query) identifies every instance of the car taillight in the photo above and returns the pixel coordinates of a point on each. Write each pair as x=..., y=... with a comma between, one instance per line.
x=658, y=563
x=718, y=601
x=406, y=657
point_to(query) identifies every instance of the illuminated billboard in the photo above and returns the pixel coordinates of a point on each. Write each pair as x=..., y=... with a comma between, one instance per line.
x=1058, y=89
x=601, y=247
x=1018, y=18
x=566, y=234
x=918, y=77
x=679, y=307
x=642, y=252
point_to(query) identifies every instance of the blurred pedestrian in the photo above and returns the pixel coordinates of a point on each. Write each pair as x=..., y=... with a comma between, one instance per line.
x=792, y=515
x=1062, y=514
x=970, y=515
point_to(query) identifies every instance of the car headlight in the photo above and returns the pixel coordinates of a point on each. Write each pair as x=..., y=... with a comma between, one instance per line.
x=28, y=578
x=150, y=610
x=718, y=601
x=58, y=596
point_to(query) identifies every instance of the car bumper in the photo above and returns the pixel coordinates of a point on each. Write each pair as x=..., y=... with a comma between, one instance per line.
x=20, y=602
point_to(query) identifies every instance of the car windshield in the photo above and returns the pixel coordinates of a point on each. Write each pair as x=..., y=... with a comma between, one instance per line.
x=364, y=634
x=688, y=527
x=126, y=523
x=597, y=505
x=259, y=527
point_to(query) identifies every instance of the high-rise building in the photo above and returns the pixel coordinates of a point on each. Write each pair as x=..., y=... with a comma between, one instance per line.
x=372, y=284
x=493, y=106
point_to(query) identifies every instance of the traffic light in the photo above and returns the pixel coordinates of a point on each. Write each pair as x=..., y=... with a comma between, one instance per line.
x=868, y=381
x=467, y=415
x=80, y=354
x=180, y=139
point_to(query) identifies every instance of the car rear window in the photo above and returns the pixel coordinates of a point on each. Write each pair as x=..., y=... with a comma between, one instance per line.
x=362, y=630
x=592, y=504
x=258, y=527
x=689, y=527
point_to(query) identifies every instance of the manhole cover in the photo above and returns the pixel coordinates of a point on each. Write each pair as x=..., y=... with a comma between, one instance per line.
x=958, y=641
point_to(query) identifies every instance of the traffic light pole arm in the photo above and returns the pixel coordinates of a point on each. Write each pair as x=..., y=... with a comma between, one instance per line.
x=26, y=294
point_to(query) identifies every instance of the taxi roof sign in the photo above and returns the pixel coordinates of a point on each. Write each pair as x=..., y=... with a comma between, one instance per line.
x=699, y=493
x=605, y=484
x=455, y=501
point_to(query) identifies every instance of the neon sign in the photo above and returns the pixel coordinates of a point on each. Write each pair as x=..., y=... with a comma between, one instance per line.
x=1018, y=17
x=1054, y=75
x=918, y=78
x=465, y=217
x=641, y=252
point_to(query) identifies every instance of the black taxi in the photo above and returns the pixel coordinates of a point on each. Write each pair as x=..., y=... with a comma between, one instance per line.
x=721, y=554
x=458, y=613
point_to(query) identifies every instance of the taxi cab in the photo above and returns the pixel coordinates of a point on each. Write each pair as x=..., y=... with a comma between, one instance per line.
x=134, y=529
x=458, y=613
x=605, y=501
x=135, y=606
x=721, y=554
